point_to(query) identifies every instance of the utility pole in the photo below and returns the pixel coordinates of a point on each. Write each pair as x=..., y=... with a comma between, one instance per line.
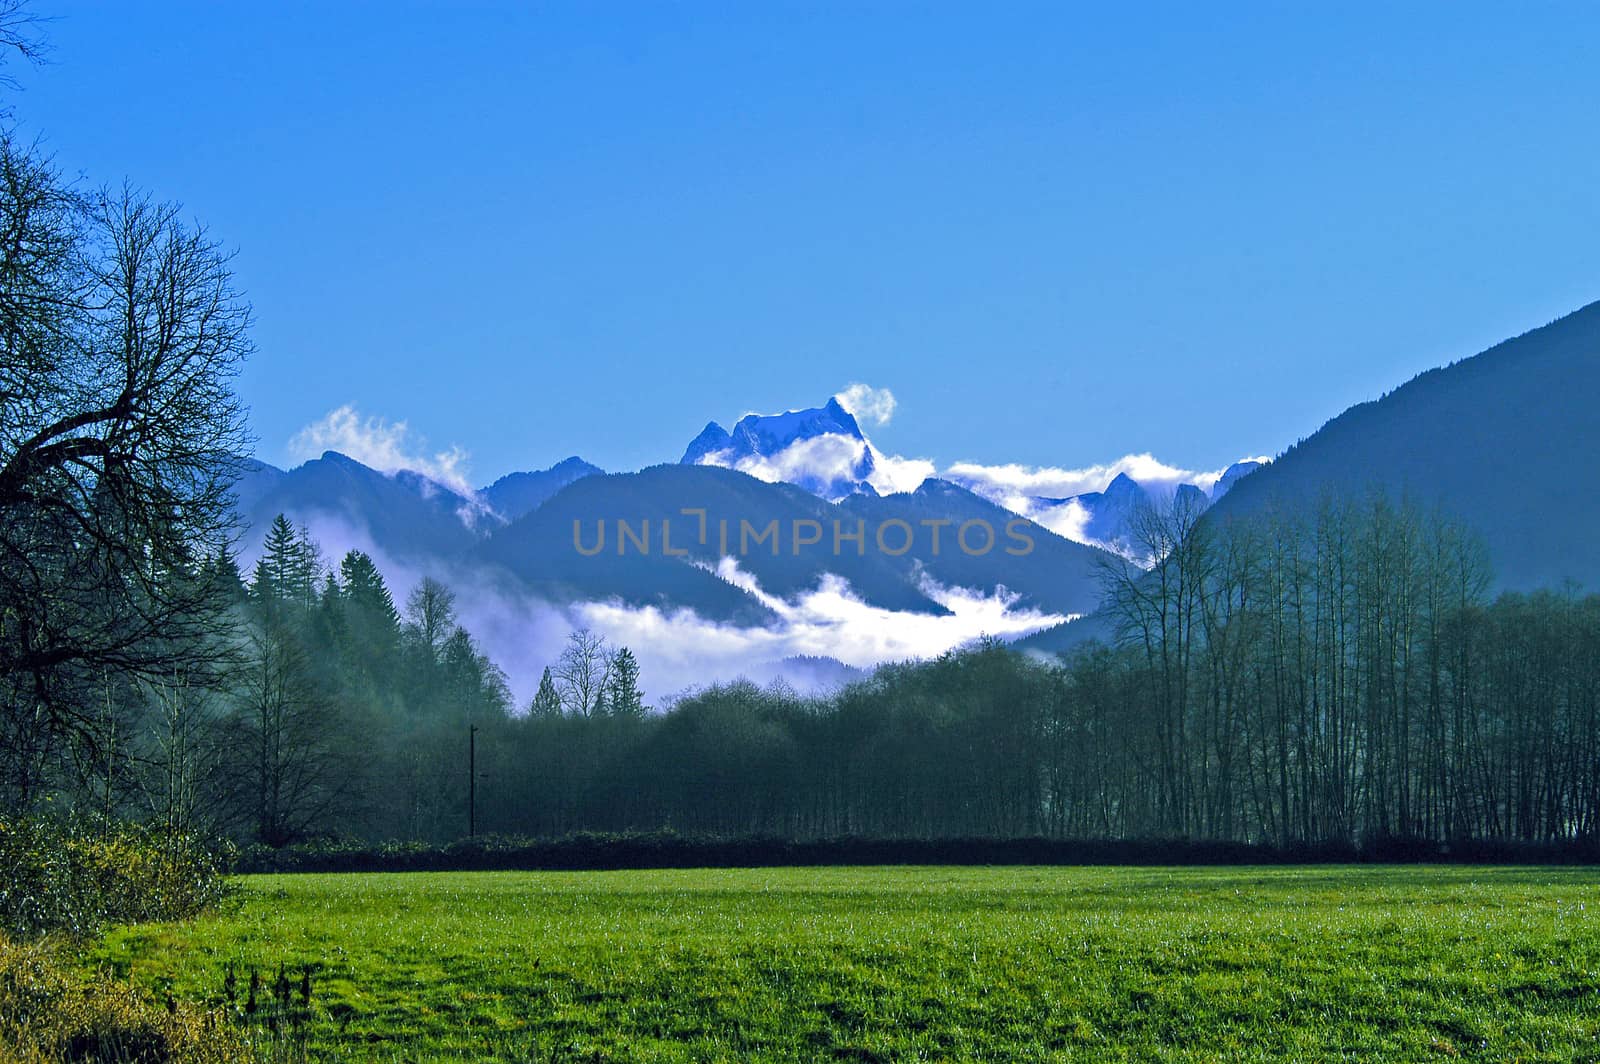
x=472, y=781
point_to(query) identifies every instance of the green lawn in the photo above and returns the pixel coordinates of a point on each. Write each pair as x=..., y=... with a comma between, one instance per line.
x=917, y=963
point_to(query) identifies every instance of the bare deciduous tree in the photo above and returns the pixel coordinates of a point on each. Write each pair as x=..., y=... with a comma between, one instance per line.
x=582, y=673
x=120, y=437
x=292, y=740
x=431, y=614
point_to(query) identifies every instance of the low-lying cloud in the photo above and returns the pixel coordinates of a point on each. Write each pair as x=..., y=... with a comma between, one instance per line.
x=1014, y=481
x=829, y=621
x=832, y=465
x=678, y=649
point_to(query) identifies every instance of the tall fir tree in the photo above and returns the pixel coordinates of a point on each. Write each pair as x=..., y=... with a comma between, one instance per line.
x=372, y=625
x=546, y=703
x=622, y=696
x=287, y=571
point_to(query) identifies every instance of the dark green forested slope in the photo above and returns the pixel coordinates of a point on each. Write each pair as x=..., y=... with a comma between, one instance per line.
x=1506, y=440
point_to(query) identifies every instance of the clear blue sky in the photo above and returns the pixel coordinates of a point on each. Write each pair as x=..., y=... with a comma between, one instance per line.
x=1057, y=234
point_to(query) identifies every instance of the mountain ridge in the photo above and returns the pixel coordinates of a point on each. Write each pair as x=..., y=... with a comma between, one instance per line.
x=1521, y=413
x=1518, y=417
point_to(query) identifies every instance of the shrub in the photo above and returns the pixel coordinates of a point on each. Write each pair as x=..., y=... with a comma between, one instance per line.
x=47, y=1014
x=598, y=850
x=75, y=877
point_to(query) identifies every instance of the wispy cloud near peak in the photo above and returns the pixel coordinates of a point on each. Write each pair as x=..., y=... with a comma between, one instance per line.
x=387, y=446
x=869, y=404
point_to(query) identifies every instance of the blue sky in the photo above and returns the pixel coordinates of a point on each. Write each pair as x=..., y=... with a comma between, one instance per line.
x=1057, y=234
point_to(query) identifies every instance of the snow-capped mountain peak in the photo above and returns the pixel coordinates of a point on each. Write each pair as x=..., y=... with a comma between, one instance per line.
x=820, y=449
x=712, y=439
x=770, y=433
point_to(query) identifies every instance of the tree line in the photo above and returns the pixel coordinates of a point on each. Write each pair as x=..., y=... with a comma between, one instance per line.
x=1331, y=673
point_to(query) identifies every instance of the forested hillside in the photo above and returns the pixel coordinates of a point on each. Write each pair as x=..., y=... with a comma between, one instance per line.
x=1504, y=440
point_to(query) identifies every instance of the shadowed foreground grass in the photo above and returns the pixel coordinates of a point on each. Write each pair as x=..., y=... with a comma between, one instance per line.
x=1418, y=963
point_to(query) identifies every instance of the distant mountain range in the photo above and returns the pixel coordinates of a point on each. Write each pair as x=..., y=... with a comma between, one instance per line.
x=809, y=469
x=419, y=523
x=823, y=451
x=1107, y=517
x=697, y=541
x=516, y=494
x=1506, y=440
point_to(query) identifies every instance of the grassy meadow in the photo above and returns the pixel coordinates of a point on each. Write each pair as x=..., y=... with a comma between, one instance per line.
x=881, y=964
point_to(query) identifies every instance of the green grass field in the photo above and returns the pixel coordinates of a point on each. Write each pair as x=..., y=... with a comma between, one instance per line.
x=916, y=963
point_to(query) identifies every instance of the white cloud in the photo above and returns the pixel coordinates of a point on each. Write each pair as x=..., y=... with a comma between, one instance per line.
x=1023, y=489
x=829, y=464
x=1055, y=483
x=1069, y=520
x=830, y=621
x=678, y=649
x=892, y=474
x=383, y=445
x=821, y=460
x=866, y=403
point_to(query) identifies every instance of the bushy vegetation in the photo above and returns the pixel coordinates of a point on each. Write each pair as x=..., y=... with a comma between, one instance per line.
x=61, y=881
x=596, y=850
x=75, y=877
x=593, y=850
x=881, y=964
x=51, y=1013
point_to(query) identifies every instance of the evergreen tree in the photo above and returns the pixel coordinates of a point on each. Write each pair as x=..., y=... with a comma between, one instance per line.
x=546, y=703
x=466, y=675
x=622, y=697
x=287, y=571
x=366, y=593
x=372, y=627
x=330, y=623
x=226, y=578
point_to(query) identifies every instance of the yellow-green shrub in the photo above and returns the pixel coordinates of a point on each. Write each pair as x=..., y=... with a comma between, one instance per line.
x=47, y=1013
x=75, y=877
